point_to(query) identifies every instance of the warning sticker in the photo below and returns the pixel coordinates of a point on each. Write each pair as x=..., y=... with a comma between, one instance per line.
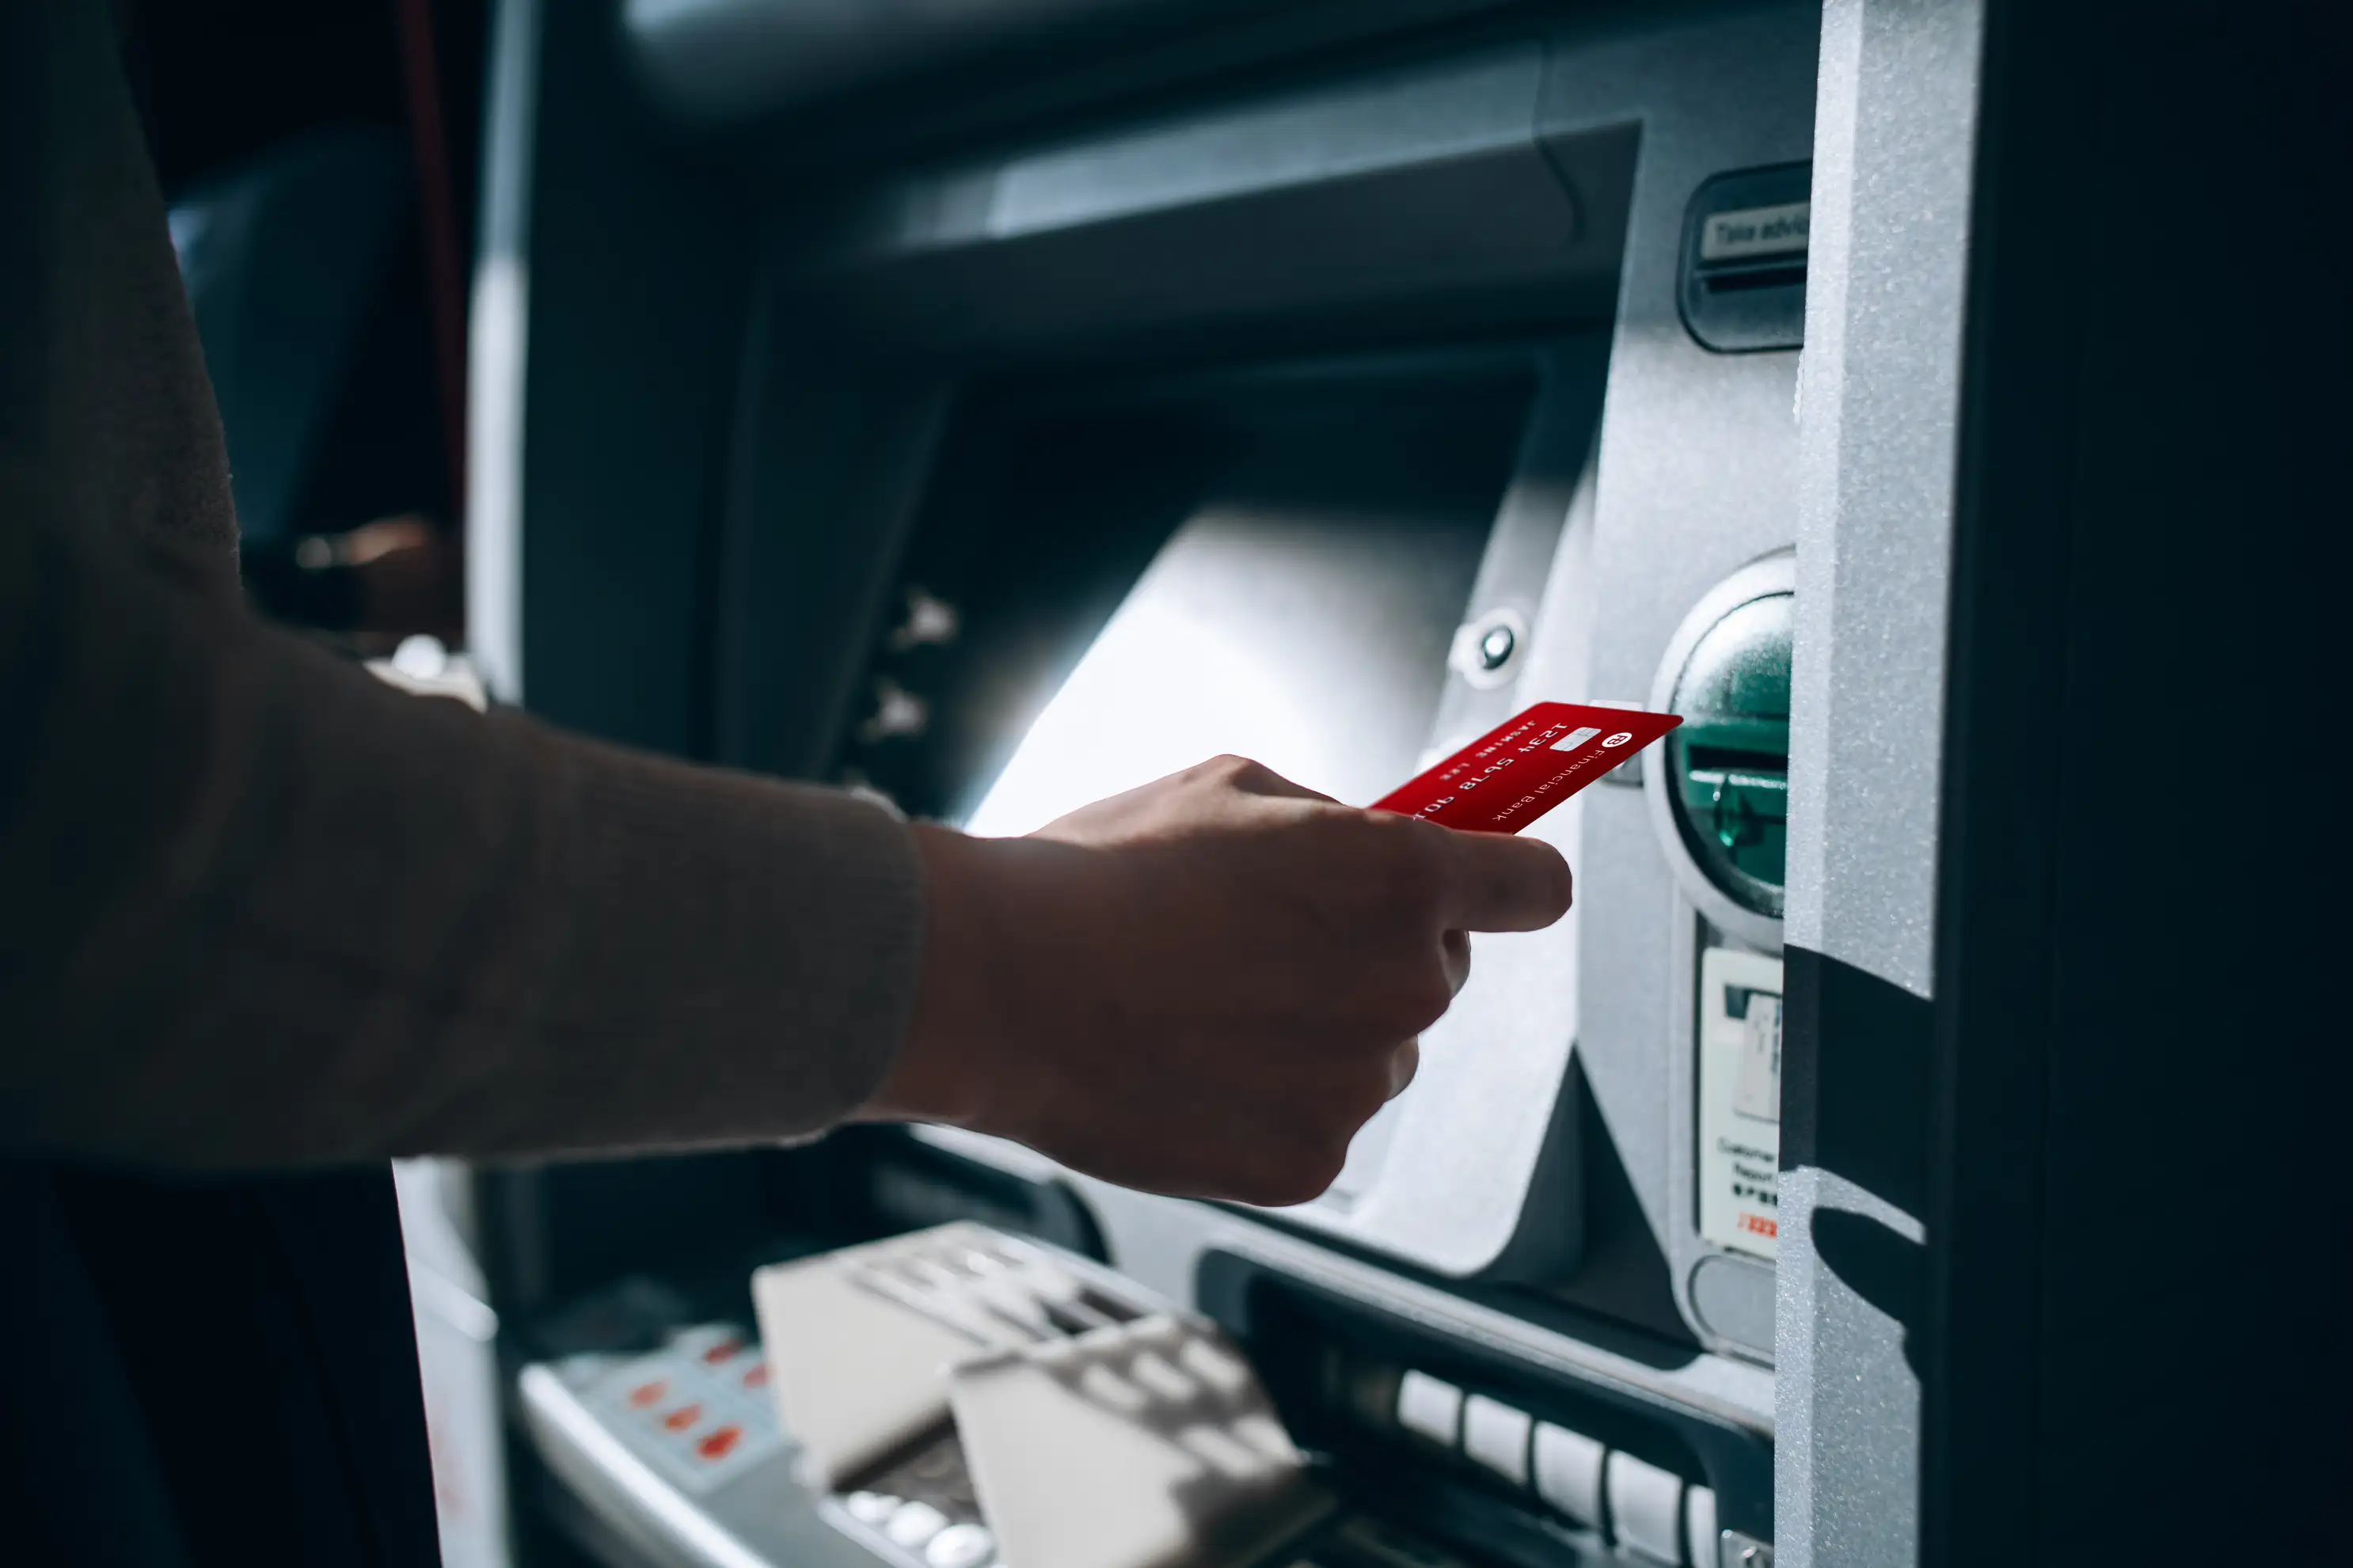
x=1740, y=1100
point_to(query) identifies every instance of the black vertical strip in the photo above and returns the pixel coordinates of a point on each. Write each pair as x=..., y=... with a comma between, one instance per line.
x=1855, y=1058
x=2129, y=1025
x=429, y=145
x=1801, y=1033
x=261, y=1328
x=2005, y=678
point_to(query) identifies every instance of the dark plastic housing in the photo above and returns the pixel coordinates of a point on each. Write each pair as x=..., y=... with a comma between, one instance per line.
x=1742, y=284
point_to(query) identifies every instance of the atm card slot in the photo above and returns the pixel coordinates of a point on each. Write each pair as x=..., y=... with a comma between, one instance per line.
x=1732, y=279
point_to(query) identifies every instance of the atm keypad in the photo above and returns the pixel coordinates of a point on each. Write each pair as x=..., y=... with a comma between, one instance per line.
x=697, y=1409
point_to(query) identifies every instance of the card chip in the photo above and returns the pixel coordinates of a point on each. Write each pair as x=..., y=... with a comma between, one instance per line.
x=1575, y=739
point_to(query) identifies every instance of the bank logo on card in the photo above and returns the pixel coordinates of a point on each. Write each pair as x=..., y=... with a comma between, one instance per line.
x=1516, y=772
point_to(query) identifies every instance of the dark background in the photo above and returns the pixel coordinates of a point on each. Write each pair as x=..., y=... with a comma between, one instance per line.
x=221, y=84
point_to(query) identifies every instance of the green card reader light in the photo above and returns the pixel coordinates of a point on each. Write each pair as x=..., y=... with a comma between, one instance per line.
x=1721, y=799
x=1730, y=760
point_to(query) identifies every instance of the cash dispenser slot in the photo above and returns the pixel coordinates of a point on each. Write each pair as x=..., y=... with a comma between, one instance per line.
x=959, y=1397
x=1460, y=1442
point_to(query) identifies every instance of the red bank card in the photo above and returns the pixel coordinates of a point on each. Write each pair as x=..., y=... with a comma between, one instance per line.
x=1516, y=772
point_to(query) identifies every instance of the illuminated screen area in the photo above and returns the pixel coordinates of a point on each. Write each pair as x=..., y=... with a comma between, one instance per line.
x=1274, y=569
x=1311, y=640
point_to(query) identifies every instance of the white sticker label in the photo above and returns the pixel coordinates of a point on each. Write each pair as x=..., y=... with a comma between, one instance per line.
x=1755, y=231
x=1740, y=1100
x=1756, y=1092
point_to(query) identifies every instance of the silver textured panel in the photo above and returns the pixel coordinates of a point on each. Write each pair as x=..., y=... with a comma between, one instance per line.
x=1880, y=399
x=1895, y=129
x=1160, y=1243
x=1846, y=1462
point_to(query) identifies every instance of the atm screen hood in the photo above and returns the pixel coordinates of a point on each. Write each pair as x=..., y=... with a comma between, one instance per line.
x=727, y=60
x=1310, y=639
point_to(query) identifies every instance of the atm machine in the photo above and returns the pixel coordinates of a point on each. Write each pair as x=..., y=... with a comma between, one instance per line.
x=995, y=411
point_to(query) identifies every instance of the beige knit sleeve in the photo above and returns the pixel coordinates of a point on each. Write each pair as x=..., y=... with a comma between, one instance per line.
x=257, y=908
x=261, y=908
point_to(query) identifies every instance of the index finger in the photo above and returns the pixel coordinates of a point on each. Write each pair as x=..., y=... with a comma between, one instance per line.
x=1502, y=883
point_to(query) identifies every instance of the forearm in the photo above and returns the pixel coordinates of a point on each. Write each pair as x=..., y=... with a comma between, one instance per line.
x=261, y=909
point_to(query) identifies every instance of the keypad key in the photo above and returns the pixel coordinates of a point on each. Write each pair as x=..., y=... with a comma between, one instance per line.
x=1154, y=1374
x=1227, y=1374
x=960, y=1546
x=916, y=1523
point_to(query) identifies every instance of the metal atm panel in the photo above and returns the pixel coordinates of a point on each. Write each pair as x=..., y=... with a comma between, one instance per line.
x=1308, y=611
x=1604, y=542
x=1510, y=211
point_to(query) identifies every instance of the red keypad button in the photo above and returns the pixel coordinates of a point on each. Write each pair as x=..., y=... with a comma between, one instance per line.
x=647, y=1393
x=719, y=1444
x=684, y=1417
x=724, y=1351
x=758, y=1377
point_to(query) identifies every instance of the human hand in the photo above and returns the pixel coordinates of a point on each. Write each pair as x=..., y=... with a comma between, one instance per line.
x=1203, y=986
